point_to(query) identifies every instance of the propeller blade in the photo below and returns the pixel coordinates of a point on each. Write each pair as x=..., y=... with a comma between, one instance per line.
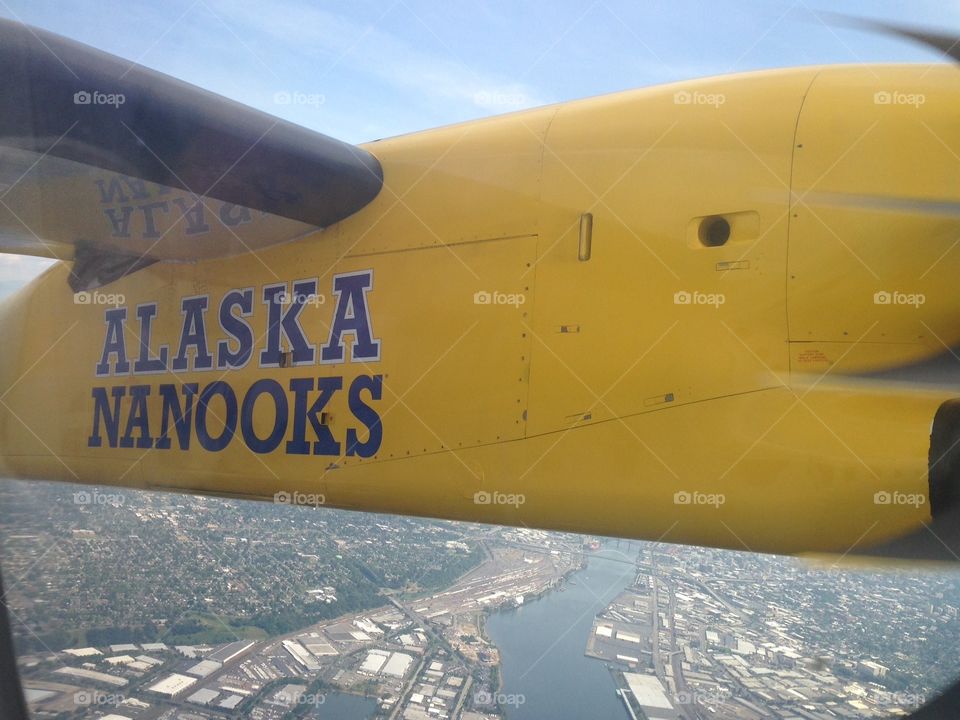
x=947, y=44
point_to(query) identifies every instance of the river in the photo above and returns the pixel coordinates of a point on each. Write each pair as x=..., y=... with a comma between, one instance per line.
x=341, y=706
x=542, y=642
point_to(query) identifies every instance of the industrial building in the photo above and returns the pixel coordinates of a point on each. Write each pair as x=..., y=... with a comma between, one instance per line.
x=300, y=654
x=172, y=685
x=650, y=695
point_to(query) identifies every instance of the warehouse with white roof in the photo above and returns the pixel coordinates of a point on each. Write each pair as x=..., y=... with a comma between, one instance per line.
x=173, y=685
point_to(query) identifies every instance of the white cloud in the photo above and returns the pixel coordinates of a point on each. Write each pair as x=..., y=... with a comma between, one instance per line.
x=17, y=270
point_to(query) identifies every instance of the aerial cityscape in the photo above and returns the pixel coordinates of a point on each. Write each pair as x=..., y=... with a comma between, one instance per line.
x=149, y=606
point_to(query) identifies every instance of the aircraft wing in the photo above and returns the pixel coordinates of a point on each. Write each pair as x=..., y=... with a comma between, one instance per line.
x=115, y=166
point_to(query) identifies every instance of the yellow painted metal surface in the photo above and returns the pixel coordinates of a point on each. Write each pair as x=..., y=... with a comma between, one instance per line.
x=652, y=391
x=877, y=155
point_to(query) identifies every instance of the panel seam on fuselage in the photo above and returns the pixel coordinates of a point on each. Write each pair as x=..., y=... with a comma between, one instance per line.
x=786, y=267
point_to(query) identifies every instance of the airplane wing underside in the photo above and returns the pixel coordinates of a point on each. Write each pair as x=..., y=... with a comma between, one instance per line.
x=117, y=166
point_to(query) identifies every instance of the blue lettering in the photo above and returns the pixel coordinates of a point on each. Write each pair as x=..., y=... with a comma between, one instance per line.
x=207, y=441
x=150, y=226
x=232, y=215
x=237, y=328
x=138, y=419
x=282, y=324
x=275, y=391
x=111, y=417
x=119, y=220
x=181, y=416
x=351, y=317
x=145, y=364
x=194, y=215
x=193, y=334
x=114, y=343
x=113, y=192
x=365, y=414
x=325, y=444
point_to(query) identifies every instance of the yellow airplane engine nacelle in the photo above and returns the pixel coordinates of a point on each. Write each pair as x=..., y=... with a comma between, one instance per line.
x=875, y=219
x=625, y=315
x=873, y=257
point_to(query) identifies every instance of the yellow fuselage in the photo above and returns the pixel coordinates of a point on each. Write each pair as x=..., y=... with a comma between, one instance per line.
x=645, y=385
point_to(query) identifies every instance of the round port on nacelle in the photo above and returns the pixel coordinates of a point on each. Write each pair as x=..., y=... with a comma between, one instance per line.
x=714, y=231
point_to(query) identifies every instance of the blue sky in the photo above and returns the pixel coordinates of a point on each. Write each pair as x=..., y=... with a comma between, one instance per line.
x=362, y=70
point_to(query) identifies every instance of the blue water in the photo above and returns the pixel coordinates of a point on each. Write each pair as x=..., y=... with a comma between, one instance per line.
x=542, y=643
x=340, y=706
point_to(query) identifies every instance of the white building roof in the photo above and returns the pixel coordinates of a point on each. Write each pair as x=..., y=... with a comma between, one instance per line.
x=648, y=690
x=300, y=654
x=203, y=697
x=119, y=660
x=83, y=652
x=92, y=675
x=173, y=684
x=204, y=668
x=373, y=662
x=230, y=702
x=397, y=665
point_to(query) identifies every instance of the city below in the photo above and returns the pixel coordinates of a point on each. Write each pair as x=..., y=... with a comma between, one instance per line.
x=149, y=606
